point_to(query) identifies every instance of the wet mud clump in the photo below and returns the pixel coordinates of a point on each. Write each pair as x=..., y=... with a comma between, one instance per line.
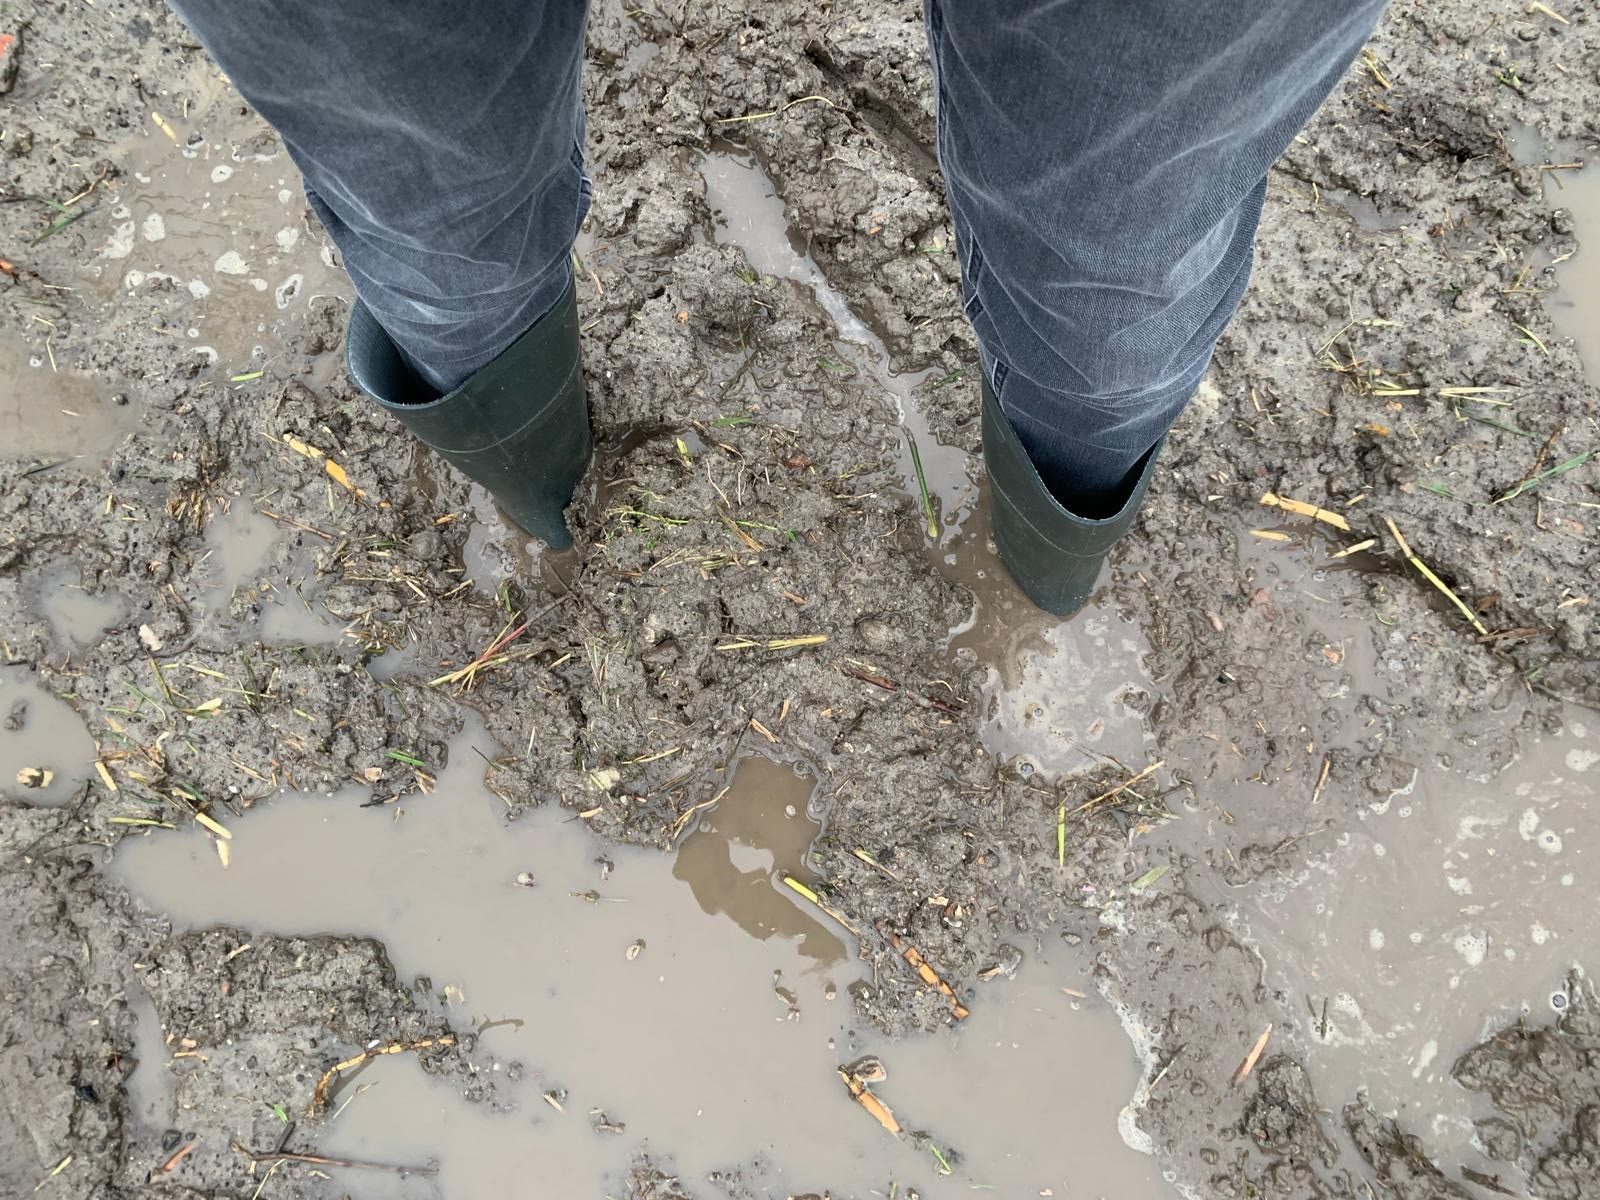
x=1544, y=1082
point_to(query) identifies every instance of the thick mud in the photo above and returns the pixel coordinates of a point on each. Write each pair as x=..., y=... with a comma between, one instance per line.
x=1274, y=865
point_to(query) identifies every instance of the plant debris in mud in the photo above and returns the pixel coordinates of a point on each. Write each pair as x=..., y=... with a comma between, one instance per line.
x=754, y=571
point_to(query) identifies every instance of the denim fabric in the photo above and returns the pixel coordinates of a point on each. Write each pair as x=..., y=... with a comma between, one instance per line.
x=441, y=143
x=1105, y=165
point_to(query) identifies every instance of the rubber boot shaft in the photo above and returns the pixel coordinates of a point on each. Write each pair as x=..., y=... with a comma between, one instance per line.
x=519, y=426
x=1053, y=554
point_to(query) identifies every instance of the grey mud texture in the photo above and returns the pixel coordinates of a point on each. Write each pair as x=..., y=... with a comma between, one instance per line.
x=1403, y=254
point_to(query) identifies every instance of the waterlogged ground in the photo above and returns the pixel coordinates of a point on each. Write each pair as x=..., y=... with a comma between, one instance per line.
x=1272, y=874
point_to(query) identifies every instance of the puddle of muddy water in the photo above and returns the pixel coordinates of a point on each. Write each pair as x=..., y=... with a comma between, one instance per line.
x=1441, y=913
x=40, y=733
x=1575, y=308
x=749, y=214
x=1449, y=909
x=758, y=829
x=50, y=410
x=717, y=1049
x=289, y=618
x=211, y=216
x=239, y=560
x=239, y=545
x=77, y=618
x=216, y=210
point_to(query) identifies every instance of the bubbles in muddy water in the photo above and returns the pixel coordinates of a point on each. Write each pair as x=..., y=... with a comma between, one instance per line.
x=181, y=229
x=1061, y=695
x=525, y=929
x=749, y=214
x=1474, y=879
x=45, y=751
x=220, y=220
x=1064, y=695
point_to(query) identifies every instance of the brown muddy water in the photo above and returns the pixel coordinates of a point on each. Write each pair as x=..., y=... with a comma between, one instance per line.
x=1450, y=909
x=77, y=618
x=216, y=210
x=278, y=600
x=1059, y=696
x=1571, y=175
x=51, y=409
x=688, y=999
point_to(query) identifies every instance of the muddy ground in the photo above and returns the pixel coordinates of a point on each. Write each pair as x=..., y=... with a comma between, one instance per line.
x=753, y=575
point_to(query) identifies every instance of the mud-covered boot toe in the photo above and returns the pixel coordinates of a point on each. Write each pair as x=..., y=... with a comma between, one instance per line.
x=1053, y=554
x=519, y=426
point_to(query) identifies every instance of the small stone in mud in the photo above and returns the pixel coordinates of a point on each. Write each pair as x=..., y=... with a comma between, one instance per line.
x=170, y=1140
x=423, y=545
x=526, y=879
x=635, y=949
x=35, y=777
x=876, y=633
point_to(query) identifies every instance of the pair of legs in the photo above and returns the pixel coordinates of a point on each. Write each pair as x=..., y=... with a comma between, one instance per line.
x=1105, y=166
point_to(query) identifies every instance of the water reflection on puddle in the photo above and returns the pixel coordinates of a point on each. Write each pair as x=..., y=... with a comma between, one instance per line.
x=718, y=1050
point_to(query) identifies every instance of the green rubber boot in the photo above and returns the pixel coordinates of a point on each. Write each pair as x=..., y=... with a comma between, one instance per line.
x=520, y=426
x=1053, y=554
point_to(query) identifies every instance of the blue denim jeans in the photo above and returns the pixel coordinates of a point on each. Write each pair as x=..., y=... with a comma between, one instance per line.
x=1105, y=164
